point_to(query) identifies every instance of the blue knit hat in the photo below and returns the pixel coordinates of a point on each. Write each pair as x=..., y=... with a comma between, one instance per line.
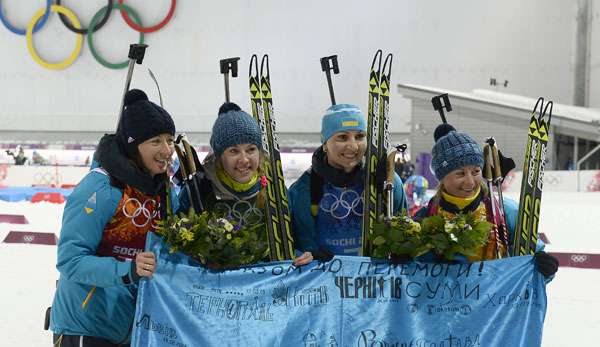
x=453, y=150
x=233, y=127
x=341, y=117
x=142, y=120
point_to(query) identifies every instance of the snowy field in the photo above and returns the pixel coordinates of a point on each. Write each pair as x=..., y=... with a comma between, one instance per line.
x=569, y=220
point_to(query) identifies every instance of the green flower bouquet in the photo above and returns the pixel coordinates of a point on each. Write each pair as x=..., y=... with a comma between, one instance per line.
x=461, y=234
x=401, y=235
x=214, y=241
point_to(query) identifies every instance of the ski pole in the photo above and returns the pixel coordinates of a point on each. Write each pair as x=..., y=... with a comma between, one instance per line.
x=136, y=56
x=497, y=180
x=196, y=203
x=388, y=185
x=439, y=106
x=227, y=65
x=487, y=174
x=328, y=64
x=182, y=167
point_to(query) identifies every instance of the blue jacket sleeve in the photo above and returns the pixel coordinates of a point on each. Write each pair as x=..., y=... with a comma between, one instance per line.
x=400, y=202
x=87, y=211
x=303, y=223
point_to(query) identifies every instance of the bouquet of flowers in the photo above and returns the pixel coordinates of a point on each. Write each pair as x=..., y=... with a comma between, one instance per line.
x=401, y=235
x=463, y=234
x=214, y=241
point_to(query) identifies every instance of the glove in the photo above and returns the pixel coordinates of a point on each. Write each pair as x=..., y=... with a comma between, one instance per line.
x=506, y=164
x=397, y=259
x=545, y=263
x=323, y=255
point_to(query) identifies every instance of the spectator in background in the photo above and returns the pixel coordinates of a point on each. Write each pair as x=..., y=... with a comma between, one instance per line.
x=37, y=159
x=20, y=158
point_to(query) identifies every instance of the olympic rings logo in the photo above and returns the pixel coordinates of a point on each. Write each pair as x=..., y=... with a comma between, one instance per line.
x=579, y=258
x=242, y=211
x=70, y=20
x=142, y=209
x=341, y=207
x=552, y=180
x=45, y=178
x=28, y=238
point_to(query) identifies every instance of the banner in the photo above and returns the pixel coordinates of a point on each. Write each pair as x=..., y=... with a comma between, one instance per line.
x=349, y=301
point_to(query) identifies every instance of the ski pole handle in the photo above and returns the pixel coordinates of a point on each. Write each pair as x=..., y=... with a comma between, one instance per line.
x=190, y=157
x=487, y=166
x=136, y=56
x=228, y=65
x=327, y=65
x=182, y=162
x=497, y=164
x=439, y=106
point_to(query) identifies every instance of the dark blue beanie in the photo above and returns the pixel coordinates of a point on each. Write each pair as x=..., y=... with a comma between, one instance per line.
x=453, y=150
x=233, y=127
x=142, y=120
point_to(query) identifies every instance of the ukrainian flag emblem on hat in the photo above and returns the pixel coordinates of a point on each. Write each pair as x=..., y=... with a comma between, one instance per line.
x=350, y=123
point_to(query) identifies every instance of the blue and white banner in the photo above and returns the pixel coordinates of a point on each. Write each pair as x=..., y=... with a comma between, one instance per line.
x=349, y=301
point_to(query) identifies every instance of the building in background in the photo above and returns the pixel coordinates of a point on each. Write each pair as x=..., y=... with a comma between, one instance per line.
x=574, y=131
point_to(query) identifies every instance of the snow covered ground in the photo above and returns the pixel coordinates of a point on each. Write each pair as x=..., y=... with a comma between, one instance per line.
x=569, y=220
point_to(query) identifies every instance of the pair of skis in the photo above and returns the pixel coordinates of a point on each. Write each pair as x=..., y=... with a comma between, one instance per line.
x=526, y=235
x=279, y=232
x=378, y=144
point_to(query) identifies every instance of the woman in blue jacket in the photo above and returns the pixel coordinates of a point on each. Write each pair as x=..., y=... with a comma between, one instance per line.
x=457, y=161
x=326, y=201
x=101, y=250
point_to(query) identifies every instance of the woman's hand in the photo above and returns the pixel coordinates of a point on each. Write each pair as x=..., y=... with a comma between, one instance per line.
x=145, y=264
x=304, y=259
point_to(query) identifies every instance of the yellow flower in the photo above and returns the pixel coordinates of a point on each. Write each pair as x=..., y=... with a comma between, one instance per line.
x=228, y=236
x=187, y=235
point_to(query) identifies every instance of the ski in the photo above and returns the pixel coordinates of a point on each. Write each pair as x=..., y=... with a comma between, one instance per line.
x=371, y=195
x=543, y=131
x=384, y=122
x=526, y=235
x=281, y=244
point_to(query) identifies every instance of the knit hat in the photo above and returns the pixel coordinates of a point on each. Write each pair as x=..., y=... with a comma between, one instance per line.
x=142, y=120
x=233, y=127
x=453, y=150
x=341, y=117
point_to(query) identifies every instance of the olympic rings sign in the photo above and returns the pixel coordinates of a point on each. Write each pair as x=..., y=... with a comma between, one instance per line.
x=70, y=20
x=148, y=210
x=349, y=202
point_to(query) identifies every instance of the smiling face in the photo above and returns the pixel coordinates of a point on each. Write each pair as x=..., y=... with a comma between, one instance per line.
x=463, y=182
x=156, y=153
x=241, y=161
x=345, y=149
